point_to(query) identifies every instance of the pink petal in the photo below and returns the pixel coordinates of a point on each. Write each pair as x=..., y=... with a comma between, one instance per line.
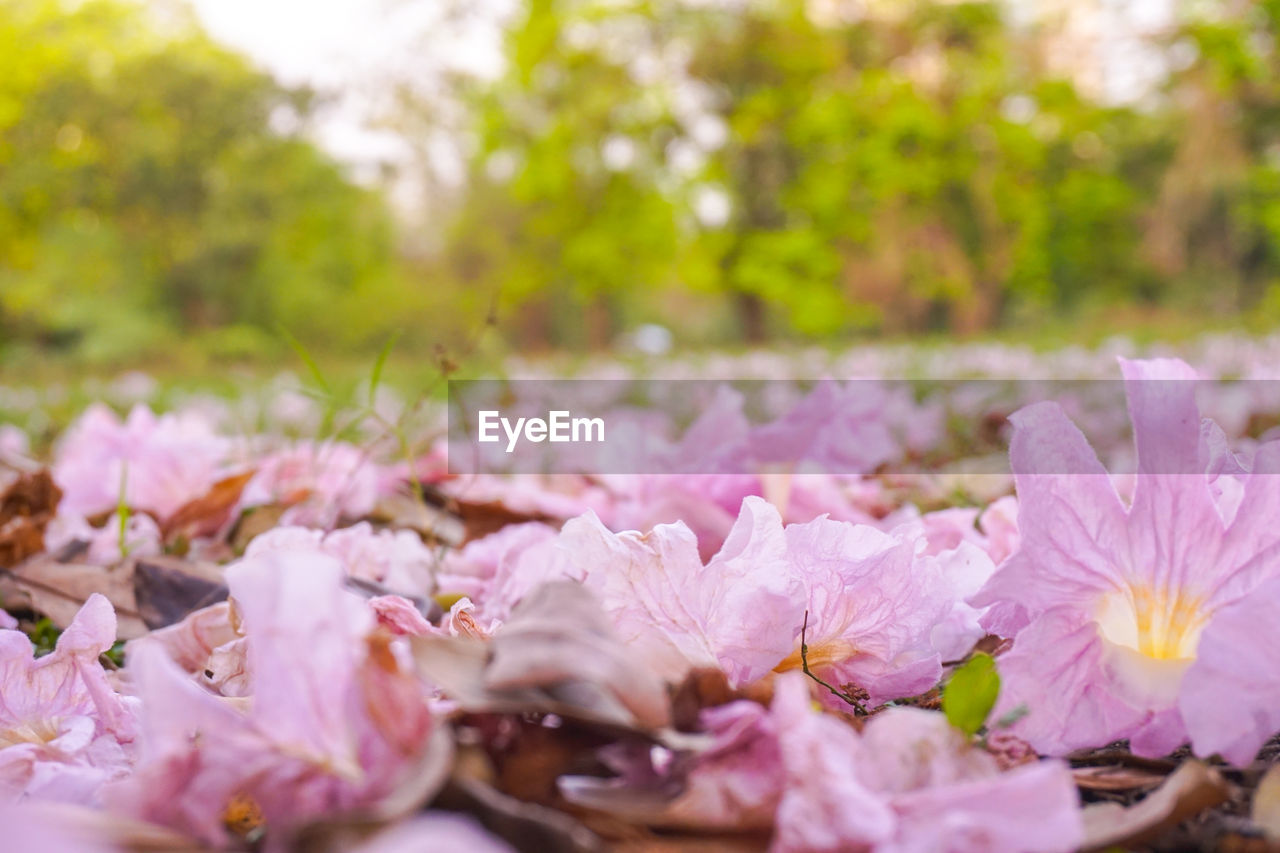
x=1231, y=695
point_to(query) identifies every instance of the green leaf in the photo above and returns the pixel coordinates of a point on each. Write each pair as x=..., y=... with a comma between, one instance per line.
x=971, y=693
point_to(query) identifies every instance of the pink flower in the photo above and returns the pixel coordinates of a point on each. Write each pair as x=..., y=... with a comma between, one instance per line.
x=13, y=442
x=1231, y=700
x=64, y=731
x=395, y=558
x=1111, y=604
x=909, y=783
x=740, y=611
x=551, y=496
x=874, y=601
x=332, y=480
x=705, y=503
x=834, y=428
x=164, y=461
x=472, y=569
x=334, y=720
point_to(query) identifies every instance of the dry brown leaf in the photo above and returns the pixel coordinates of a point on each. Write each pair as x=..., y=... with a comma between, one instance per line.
x=1114, y=777
x=254, y=522
x=166, y=589
x=480, y=518
x=429, y=522
x=20, y=538
x=557, y=654
x=1190, y=790
x=57, y=590
x=1265, y=810
x=208, y=513
x=526, y=826
x=26, y=508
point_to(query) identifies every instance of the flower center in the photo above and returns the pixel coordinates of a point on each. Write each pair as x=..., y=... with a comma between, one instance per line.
x=818, y=654
x=1162, y=624
x=29, y=731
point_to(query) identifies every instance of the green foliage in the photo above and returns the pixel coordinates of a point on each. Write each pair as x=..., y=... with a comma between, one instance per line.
x=970, y=693
x=914, y=168
x=145, y=190
x=44, y=637
x=735, y=171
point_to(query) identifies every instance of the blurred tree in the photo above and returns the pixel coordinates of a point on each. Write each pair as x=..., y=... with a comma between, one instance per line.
x=911, y=168
x=153, y=181
x=1215, y=224
x=567, y=215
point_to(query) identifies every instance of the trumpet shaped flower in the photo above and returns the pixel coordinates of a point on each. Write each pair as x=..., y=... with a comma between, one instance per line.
x=1112, y=604
x=873, y=608
x=874, y=601
x=64, y=731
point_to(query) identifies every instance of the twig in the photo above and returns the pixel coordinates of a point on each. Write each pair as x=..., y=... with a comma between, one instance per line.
x=858, y=707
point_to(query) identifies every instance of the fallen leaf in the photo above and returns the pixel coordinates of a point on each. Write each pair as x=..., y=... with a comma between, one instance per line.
x=1115, y=778
x=480, y=518
x=26, y=508
x=526, y=826
x=207, y=514
x=1190, y=790
x=20, y=538
x=166, y=589
x=1266, y=803
x=431, y=523
x=558, y=655
x=970, y=693
x=57, y=590
x=253, y=522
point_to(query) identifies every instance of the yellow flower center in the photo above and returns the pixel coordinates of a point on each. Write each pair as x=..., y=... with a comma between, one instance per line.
x=29, y=731
x=1162, y=624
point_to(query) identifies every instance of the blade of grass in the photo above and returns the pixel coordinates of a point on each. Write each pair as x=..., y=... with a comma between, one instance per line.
x=380, y=364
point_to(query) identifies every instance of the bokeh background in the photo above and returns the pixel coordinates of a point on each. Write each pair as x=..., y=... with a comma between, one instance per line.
x=189, y=186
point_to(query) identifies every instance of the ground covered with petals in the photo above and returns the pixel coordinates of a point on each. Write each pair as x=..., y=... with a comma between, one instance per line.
x=322, y=639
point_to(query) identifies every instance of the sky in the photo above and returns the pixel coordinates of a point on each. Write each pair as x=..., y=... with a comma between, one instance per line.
x=354, y=47
x=351, y=49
